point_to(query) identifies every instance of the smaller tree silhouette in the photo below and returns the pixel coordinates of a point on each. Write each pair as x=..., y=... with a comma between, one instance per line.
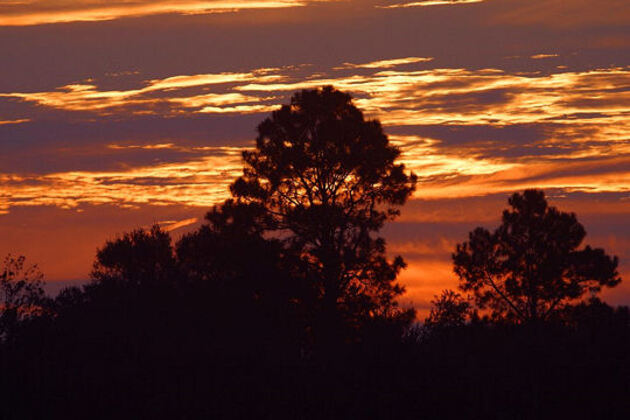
x=231, y=245
x=449, y=310
x=532, y=264
x=21, y=293
x=137, y=258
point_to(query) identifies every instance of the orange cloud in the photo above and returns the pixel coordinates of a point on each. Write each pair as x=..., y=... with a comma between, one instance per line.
x=87, y=97
x=562, y=13
x=171, y=225
x=426, y=3
x=543, y=56
x=6, y=122
x=434, y=96
x=202, y=182
x=589, y=111
x=448, y=96
x=39, y=12
x=385, y=64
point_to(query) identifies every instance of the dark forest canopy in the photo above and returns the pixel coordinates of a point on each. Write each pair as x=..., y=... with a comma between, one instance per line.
x=283, y=304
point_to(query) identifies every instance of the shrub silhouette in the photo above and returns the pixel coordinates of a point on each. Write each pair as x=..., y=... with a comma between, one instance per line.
x=21, y=294
x=449, y=310
x=137, y=259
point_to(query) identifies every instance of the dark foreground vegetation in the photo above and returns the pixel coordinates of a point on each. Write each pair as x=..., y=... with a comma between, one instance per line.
x=283, y=305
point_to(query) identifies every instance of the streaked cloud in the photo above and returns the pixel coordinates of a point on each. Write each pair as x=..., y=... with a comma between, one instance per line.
x=385, y=64
x=452, y=96
x=145, y=99
x=144, y=146
x=427, y=3
x=543, y=56
x=582, y=118
x=201, y=182
x=172, y=225
x=38, y=12
x=20, y=121
x=485, y=96
x=561, y=13
x=430, y=162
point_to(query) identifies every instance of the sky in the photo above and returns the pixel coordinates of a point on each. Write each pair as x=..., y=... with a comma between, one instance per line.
x=120, y=114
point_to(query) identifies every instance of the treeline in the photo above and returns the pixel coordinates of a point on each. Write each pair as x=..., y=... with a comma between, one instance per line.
x=284, y=304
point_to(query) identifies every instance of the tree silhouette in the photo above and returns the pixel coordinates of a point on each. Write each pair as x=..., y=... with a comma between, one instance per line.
x=448, y=310
x=231, y=245
x=228, y=261
x=328, y=181
x=137, y=258
x=532, y=264
x=21, y=293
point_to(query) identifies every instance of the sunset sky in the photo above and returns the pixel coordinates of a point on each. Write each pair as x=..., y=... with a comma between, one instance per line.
x=117, y=114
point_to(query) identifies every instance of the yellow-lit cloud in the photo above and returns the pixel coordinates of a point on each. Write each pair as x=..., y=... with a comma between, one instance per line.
x=145, y=146
x=385, y=64
x=437, y=96
x=38, y=12
x=20, y=121
x=426, y=3
x=589, y=111
x=201, y=182
x=424, y=158
x=448, y=96
x=560, y=13
x=204, y=182
x=87, y=97
x=172, y=225
x=543, y=56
